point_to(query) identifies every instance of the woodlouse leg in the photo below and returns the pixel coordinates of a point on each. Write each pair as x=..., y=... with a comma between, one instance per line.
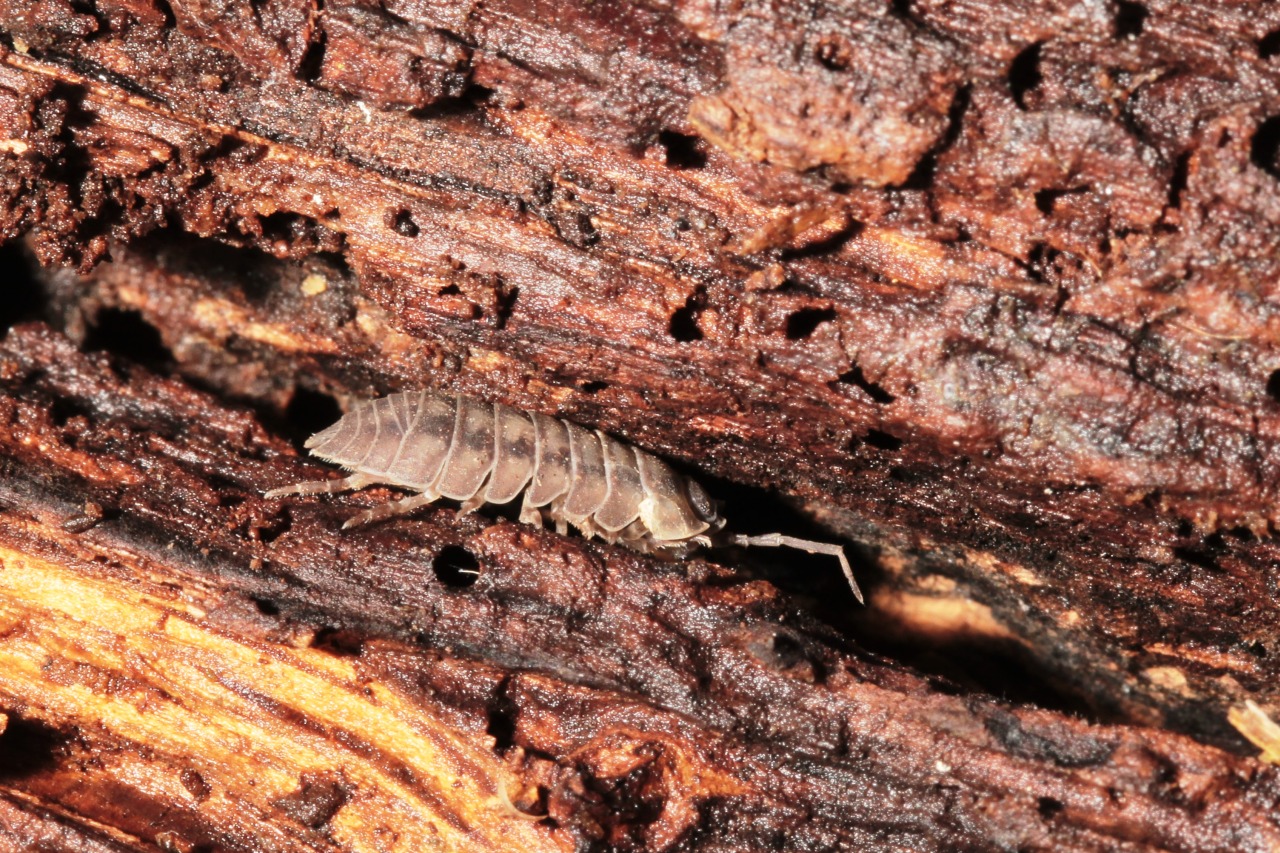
x=389, y=509
x=321, y=487
x=531, y=515
x=777, y=540
x=473, y=503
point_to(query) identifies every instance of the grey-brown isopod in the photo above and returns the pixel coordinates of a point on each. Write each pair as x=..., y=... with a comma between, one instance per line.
x=475, y=452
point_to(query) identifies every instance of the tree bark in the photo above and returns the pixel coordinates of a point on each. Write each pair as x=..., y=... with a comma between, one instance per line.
x=986, y=289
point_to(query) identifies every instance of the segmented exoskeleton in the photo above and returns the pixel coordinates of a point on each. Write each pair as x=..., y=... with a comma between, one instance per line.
x=477, y=453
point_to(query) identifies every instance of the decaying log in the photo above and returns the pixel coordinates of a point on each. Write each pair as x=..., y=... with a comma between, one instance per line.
x=194, y=667
x=986, y=288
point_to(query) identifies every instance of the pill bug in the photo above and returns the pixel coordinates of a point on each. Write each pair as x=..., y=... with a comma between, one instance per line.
x=437, y=445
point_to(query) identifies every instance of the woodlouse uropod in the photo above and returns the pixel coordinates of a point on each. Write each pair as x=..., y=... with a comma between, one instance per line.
x=476, y=452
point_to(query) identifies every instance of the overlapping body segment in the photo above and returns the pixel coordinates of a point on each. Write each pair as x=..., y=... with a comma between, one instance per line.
x=476, y=452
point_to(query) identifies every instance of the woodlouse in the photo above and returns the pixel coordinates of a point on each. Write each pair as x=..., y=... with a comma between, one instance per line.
x=475, y=452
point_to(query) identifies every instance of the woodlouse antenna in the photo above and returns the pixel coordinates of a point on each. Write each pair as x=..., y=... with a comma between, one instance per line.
x=778, y=540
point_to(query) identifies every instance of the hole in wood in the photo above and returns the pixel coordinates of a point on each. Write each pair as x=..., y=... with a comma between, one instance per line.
x=401, y=222
x=1024, y=73
x=1269, y=45
x=502, y=724
x=1265, y=149
x=833, y=53
x=1273, y=385
x=684, y=151
x=1178, y=182
x=265, y=606
x=1130, y=18
x=882, y=440
x=806, y=321
x=455, y=566
x=338, y=642
x=1047, y=200
x=684, y=323
x=22, y=298
x=1049, y=807
x=129, y=335
x=312, y=64
x=1197, y=557
x=28, y=747
x=854, y=376
x=309, y=412
x=64, y=409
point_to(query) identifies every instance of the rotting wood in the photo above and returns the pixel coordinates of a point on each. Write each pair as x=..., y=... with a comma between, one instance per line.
x=1025, y=351
x=214, y=663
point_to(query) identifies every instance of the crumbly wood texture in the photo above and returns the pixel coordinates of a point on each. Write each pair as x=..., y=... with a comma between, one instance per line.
x=187, y=665
x=986, y=288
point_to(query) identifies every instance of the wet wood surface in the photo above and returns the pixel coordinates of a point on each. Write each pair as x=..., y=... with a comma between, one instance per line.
x=984, y=292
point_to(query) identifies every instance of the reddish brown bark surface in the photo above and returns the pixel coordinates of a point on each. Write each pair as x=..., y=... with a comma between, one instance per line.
x=987, y=289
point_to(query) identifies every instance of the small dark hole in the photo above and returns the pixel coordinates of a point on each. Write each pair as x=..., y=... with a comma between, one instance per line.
x=28, y=747
x=265, y=606
x=338, y=642
x=684, y=323
x=456, y=566
x=593, y=387
x=804, y=322
x=402, y=223
x=1257, y=649
x=319, y=796
x=127, y=334
x=1049, y=807
x=910, y=476
x=64, y=410
x=901, y=8
x=787, y=651
x=1130, y=18
x=684, y=151
x=1269, y=45
x=921, y=177
x=502, y=724
x=1047, y=200
x=477, y=94
x=195, y=784
x=268, y=533
x=854, y=376
x=1196, y=558
x=289, y=228
x=1266, y=146
x=1024, y=73
x=833, y=53
x=1273, y=385
x=22, y=298
x=312, y=63
x=882, y=440
x=1241, y=534
x=1178, y=182
x=309, y=412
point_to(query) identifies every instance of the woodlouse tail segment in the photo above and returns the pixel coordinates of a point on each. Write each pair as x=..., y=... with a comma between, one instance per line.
x=777, y=540
x=388, y=510
x=321, y=487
